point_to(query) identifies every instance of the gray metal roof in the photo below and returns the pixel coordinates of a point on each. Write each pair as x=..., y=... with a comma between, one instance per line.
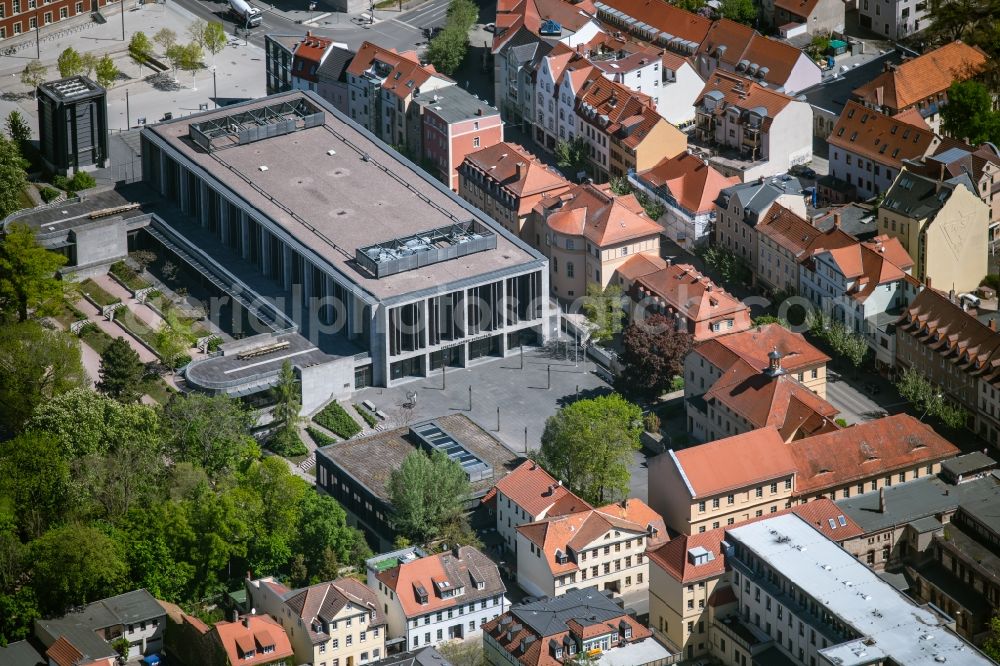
x=549, y=616
x=970, y=462
x=454, y=104
x=22, y=653
x=426, y=657
x=920, y=498
x=919, y=197
x=856, y=219
x=756, y=196
x=335, y=64
x=832, y=94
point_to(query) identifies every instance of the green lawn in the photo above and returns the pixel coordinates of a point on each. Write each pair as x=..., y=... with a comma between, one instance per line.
x=25, y=200
x=157, y=389
x=95, y=338
x=97, y=293
x=129, y=277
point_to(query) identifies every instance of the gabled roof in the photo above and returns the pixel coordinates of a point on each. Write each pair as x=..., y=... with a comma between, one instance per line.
x=752, y=457
x=803, y=8
x=253, y=633
x=310, y=53
x=579, y=530
x=500, y=164
x=322, y=602
x=870, y=264
x=788, y=230
x=872, y=448
x=672, y=557
x=743, y=94
x=667, y=18
x=754, y=344
x=405, y=73
x=691, y=181
x=593, y=212
x=538, y=492
x=917, y=197
x=921, y=77
x=617, y=110
x=742, y=44
x=639, y=265
x=63, y=653
x=444, y=568
x=878, y=137
x=688, y=292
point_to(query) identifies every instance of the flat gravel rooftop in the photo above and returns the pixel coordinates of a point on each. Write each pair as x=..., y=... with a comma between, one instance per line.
x=363, y=193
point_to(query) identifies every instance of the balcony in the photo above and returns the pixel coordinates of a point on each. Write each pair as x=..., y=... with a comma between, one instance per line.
x=747, y=636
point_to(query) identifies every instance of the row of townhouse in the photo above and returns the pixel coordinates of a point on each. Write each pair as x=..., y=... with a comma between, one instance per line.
x=404, y=103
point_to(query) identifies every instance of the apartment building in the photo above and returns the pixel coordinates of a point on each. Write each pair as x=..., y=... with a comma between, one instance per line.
x=329, y=624
x=506, y=182
x=981, y=165
x=382, y=85
x=893, y=19
x=555, y=631
x=253, y=640
x=441, y=597
x=695, y=303
x=680, y=86
x=739, y=209
x=527, y=495
x=687, y=187
x=765, y=472
x=943, y=225
x=801, y=595
x=455, y=123
x=711, y=360
x=604, y=547
x=589, y=233
x=784, y=242
x=690, y=584
x=20, y=17
x=921, y=83
x=759, y=132
x=950, y=346
x=307, y=62
x=867, y=148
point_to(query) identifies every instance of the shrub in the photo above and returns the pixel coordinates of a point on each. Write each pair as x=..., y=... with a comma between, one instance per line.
x=320, y=437
x=287, y=443
x=83, y=181
x=841, y=422
x=49, y=194
x=214, y=343
x=128, y=276
x=97, y=293
x=651, y=422
x=369, y=418
x=335, y=419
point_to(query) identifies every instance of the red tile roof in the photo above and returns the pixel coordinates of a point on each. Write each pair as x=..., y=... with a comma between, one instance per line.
x=788, y=230
x=639, y=265
x=870, y=264
x=690, y=181
x=803, y=8
x=751, y=458
x=741, y=43
x=686, y=291
x=63, y=653
x=754, y=344
x=666, y=17
x=866, y=450
x=878, y=137
x=922, y=77
x=517, y=172
x=253, y=632
x=538, y=492
x=310, y=52
x=594, y=212
x=672, y=557
x=406, y=73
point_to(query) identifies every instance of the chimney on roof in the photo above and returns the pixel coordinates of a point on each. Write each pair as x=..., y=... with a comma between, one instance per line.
x=246, y=621
x=951, y=294
x=520, y=170
x=670, y=261
x=836, y=220
x=881, y=500
x=456, y=551
x=479, y=112
x=927, y=281
x=774, y=368
x=993, y=324
x=941, y=174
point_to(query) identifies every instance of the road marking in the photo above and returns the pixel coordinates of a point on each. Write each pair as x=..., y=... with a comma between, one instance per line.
x=313, y=21
x=402, y=22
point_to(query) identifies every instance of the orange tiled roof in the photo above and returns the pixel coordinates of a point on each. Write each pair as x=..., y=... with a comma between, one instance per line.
x=406, y=72
x=260, y=631
x=538, y=492
x=803, y=8
x=603, y=218
x=752, y=457
x=499, y=163
x=740, y=43
x=874, y=135
x=63, y=653
x=871, y=264
x=869, y=449
x=743, y=93
x=922, y=77
x=691, y=181
x=688, y=292
x=754, y=344
x=788, y=230
x=639, y=265
x=579, y=530
x=666, y=17
x=672, y=557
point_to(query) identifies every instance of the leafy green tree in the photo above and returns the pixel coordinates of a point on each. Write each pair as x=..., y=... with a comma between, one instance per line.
x=653, y=208
x=69, y=63
x=121, y=372
x=33, y=75
x=991, y=646
x=13, y=179
x=165, y=38
x=729, y=266
x=35, y=481
x=286, y=408
x=27, y=271
x=572, y=155
x=322, y=526
x=140, y=48
x=210, y=431
x=121, y=646
x=129, y=476
x=690, y=5
x=174, y=53
x=196, y=31
x=463, y=653
x=17, y=128
x=106, y=70
x=427, y=492
x=653, y=353
x=88, y=62
x=741, y=11
x=447, y=50
x=18, y=612
x=463, y=13
x=215, y=39
x=75, y=564
x=173, y=339
x=843, y=340
x=191, y=61
x=604, y=311
x=280, y=494
x=764, y=320
x=620, y=185
x=818, y=47
x=916, y=389
x=589, y=445
x=85, y=423
x=36, y=365
x=969, y=113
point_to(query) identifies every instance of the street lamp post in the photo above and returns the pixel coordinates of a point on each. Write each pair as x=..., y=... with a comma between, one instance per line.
x=470, y=398
x=215, y=89
x=549, y=373
x=123, y=20
x=38, y=48
x=128, y=122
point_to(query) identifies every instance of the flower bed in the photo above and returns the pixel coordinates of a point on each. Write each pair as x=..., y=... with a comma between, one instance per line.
x=97, y=294
x=128, y=277
x=336, y=419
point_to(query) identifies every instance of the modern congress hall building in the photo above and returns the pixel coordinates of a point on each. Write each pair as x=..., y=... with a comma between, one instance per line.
x=378, y=252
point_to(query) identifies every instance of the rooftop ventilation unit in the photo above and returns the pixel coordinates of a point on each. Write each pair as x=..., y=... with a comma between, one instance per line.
x=255, y=124
x=425, y=248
